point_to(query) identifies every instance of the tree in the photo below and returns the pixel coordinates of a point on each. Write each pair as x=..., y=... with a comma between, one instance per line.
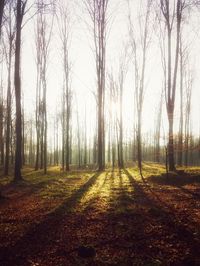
x=122, y=74
x=20, y=11
x=113, y=118
x=9, y=52
x=2, y=5
x=38, y=93
x=1, y=125
x=43, y=38
x=64, y=24
x=98, y=10
x=158, y=129
x=172, y=14
x=139, y=69
x=188, y=89
x=182, y=72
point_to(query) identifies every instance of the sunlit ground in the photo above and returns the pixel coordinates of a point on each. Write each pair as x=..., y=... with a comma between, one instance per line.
x=45, y=219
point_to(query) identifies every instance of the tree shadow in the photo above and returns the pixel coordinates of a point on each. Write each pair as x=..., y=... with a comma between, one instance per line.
x=125, y=197
x=138, y=188
x=179, y=181
x=174, y=179
x=40, y=234
x=121, y=230
x=26, y=187
x=167, y=217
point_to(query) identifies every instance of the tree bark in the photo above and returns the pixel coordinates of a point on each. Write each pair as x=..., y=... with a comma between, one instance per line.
x=8, y=122
x=17, y=81
x=2, y=5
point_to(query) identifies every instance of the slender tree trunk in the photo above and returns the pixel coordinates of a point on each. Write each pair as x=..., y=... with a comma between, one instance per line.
x=100, y=123
x=179, y=6
x=38, y=95
x=42, y=138
x=37, y=122
x=180, y=135
x=31, y=145
x=98, y=13
x=63, y=135
x=158, y=127
x=17, y=81
x=139, y=146
x=79, y=141
x=171, y=143
x=121, y=131
x=85, y=141
x=23, y=139
x=8, y=120
x=113, y=155
x=45, y=127
x=67, y=156
x=2, y=5
x=1, y=132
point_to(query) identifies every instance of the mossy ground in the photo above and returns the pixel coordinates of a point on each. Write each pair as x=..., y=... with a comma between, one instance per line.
x=45, y=218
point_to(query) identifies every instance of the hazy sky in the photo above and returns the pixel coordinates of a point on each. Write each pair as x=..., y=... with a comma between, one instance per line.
x=83, y=70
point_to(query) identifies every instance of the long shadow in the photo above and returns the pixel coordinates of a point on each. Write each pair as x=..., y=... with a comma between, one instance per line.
x=175, y=179
x=125, y=197
x=26, y=188
x=104, y=182
x=33, y=182
x=40, y=234
x=170, y=219
x=178, y=181
x=121, y=229
x=138, y=190
x=195, y=195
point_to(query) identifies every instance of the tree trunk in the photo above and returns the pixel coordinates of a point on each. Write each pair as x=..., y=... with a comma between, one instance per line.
x=180, y=135
x=171, y=143
x=121, y=164
x=8, y=122
x=1, y=132
x=100, y=133
x=67, y=156
x=17, y=81
x=139, y=146
x=2, y=4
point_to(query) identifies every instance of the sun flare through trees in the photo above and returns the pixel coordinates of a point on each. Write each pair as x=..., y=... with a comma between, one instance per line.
x=90, y=78
x=99, y=118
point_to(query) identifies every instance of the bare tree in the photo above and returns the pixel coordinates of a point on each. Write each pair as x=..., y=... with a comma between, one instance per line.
x=180, y=133
x=188, y=90
x=38, y=92
x=113, y=120
x=122, y=75
x=43, y=38
x=98, y=10
x=20, y=11
x=2, y=112
x=139, y=68
x=158, y=129
x=64, y=23
x=2, y=5
x=172, y=14
x=10, y=34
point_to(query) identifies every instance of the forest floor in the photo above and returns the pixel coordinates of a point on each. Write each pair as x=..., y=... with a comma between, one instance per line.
x=49, y=219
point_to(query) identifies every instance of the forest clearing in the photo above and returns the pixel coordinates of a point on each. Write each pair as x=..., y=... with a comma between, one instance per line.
x=45, y=219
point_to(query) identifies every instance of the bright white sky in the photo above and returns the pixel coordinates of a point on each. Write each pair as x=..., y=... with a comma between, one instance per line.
x=83, y=71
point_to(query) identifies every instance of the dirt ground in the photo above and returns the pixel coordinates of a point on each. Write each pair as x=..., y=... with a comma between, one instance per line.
x=46, y=219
